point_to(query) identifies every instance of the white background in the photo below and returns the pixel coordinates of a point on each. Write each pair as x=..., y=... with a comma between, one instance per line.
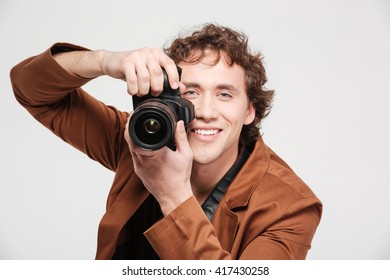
x=328, y=61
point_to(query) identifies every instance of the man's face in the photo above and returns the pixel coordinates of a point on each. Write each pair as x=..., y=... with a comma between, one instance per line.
x=221, y=108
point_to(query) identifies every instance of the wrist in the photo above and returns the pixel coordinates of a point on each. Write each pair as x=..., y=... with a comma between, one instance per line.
x=102, y=58
x=92, y=60
x=170, y=203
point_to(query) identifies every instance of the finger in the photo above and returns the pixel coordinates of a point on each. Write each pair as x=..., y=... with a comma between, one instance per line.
x=170, y=67
x=182, y=88
x=181, y=139
x=143, y=79
x=156, y=78
x=131, y=79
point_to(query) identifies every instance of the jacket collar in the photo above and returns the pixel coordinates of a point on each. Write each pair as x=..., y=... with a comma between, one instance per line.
x=246, y=180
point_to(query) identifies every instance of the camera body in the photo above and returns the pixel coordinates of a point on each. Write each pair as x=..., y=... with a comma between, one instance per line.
x=153, y=123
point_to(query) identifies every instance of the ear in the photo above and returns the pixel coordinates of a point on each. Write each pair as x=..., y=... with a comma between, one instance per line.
x=250, y=114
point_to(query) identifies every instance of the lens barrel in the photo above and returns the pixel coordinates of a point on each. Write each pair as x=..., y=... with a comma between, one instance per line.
x=152, y=124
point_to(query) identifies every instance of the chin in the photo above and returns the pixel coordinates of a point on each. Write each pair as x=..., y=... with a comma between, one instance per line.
x=204, y=157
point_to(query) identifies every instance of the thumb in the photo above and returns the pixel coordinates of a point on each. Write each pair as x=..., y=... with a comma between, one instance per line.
x=181, y=137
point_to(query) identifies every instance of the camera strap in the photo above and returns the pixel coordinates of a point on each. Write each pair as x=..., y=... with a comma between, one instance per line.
x=211, y=203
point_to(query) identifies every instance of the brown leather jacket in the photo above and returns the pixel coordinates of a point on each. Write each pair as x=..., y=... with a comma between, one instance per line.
x=266, y=213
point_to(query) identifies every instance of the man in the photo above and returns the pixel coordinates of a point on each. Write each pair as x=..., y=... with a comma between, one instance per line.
x=222, y=194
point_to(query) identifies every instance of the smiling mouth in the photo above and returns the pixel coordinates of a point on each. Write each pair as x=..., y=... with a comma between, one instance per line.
x=206, y=131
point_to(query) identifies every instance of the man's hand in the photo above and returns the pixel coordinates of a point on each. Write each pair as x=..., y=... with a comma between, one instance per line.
x=165, y=173
x=140, y=69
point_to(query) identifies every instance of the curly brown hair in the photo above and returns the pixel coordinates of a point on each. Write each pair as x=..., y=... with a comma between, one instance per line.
x=234, y=46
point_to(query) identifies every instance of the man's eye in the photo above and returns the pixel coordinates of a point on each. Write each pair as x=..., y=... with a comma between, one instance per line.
x=225, y=95
x=190, y=94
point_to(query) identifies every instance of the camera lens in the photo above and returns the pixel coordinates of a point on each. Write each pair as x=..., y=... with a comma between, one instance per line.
x=152, y=125
x=150, y=128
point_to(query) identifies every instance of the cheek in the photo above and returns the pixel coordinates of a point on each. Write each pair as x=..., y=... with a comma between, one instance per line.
x=236, y=114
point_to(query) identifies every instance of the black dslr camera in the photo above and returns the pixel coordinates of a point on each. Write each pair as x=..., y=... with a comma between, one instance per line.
x=153, y=123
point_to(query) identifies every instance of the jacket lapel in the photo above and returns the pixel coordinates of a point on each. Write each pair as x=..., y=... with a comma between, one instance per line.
x=226, y=220
x=225, y=224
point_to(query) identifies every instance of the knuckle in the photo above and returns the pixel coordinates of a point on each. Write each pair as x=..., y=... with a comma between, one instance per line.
x=156, y=72
x=157, y=51
x=143, y=91
x=144, y=78
x=128, y=59
x=132, y=80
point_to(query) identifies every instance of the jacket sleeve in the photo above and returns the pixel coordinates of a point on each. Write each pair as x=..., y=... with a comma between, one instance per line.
x=288, y=238
x=55, y=98
x=186, y=233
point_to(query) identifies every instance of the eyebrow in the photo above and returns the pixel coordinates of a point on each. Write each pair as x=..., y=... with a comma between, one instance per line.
x=219, y=86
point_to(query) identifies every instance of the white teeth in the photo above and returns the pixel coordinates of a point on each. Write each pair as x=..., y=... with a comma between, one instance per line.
x=206, y=132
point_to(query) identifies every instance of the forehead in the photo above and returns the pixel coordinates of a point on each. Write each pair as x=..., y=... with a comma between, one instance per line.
x=212, y=71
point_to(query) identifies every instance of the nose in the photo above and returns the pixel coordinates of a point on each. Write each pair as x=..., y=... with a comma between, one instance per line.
x=205, y=108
